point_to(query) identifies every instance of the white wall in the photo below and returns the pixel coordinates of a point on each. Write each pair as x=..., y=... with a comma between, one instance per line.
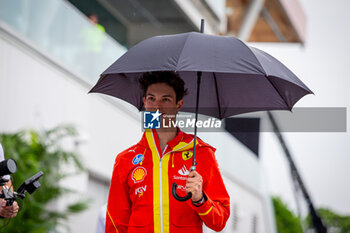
x=245, y=181
x=322, y=63
x=36, y=94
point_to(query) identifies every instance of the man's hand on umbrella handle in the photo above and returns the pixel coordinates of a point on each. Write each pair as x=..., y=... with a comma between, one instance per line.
x=194, y=184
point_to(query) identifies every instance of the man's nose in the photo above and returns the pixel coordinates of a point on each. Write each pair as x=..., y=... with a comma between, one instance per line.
x=157, y=104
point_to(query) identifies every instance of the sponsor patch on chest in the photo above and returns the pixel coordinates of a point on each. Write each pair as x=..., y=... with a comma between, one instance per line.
x=138, y=174
x=140, y=190
x=138, y=159
x=183, y=171
x=186, y=155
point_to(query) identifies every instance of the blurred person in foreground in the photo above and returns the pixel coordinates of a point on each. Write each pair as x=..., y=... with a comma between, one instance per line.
x=101, y=221
x=7, y=211
x=140, y=197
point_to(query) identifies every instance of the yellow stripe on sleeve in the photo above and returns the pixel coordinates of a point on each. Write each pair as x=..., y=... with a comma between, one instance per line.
x=112, y=221
x=202, y=214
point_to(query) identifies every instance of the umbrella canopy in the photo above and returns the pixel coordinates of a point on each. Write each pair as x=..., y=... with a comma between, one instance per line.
x=233, y=77
x=236, y=78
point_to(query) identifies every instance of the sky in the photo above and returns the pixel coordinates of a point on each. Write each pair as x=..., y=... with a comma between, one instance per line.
x=323, y=159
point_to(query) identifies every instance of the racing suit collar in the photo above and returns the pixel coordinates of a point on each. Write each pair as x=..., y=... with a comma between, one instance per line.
x=180, y=142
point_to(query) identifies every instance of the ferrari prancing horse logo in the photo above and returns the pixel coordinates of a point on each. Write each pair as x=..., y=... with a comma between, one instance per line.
x=187, y=155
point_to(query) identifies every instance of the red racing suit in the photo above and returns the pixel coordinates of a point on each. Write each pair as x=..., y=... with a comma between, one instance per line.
x=140, y=197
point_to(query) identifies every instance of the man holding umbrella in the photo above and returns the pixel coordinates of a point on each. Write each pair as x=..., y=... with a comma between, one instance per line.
x=140, y=198
x=233, y=78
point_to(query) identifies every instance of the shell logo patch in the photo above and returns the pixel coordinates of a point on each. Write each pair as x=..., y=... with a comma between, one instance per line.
x=138, y=159
x=138, y=174
x=187, y=155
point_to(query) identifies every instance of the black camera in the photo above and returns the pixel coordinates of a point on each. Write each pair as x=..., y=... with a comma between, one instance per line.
x=8, y=167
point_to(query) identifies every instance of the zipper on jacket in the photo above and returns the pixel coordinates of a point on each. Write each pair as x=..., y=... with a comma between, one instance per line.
x=161, y=194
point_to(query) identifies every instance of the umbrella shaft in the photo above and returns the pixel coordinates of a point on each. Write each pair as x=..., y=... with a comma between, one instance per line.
x=199, y=75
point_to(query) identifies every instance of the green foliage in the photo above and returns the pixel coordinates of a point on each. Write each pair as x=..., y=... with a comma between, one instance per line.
x=335, y=222
x=286, y=221
x=35, y=152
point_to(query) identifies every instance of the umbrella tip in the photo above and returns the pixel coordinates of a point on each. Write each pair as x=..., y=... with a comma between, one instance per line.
x=202, y=25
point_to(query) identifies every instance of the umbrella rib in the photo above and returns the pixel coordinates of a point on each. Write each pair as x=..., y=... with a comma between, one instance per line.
x=256, y=59
x=217, y=95
x=182, y=51
x=266, y=76
x=276, y=89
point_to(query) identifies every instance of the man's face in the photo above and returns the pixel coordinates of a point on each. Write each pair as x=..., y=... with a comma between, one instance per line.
x=163, y=97
x=93, y=19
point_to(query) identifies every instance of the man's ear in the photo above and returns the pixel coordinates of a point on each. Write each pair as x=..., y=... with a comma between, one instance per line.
x=179, y=104
x=143, y=100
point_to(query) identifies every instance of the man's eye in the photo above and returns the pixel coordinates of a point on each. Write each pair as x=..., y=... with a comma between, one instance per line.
x=166, y=100
x=150, y=98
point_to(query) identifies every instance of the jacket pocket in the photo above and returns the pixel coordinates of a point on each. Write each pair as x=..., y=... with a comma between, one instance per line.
x=182, y=215
x=140, y=216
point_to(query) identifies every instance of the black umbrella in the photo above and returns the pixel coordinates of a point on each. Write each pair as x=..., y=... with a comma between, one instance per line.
x=234, y=78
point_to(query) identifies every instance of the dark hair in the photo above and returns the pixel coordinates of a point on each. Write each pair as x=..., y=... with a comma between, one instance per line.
x=169, y=77
x=91, y=14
